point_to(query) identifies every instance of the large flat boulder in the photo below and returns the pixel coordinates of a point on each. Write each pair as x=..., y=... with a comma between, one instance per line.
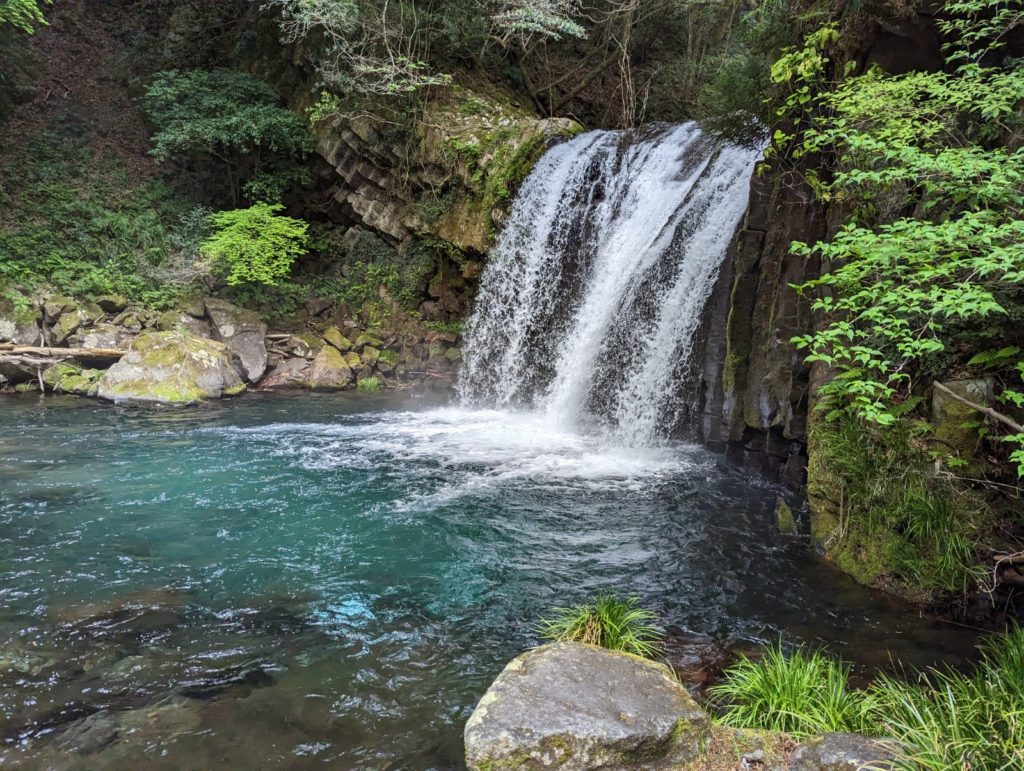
x=242, y=331
x=572, y=706
x=173, y=368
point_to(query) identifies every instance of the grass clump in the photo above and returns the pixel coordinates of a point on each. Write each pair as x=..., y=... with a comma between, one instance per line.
x=803, y=694
x=369, y=385
x=943, y=719
x=884, y=514
x=608, y=622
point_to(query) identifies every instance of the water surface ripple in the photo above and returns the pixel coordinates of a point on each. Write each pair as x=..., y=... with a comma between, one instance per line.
x=284, y=582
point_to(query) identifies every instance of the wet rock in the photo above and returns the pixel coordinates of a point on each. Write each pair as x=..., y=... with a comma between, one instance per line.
x=333, y=336
x=89, y=735
x=352, y=360
x=453, y=355
x=20, y=323
x=243, y=332
x=843, y=752
x=329, y=371
x=172, y=368
x=290, y=373
x=575, y=706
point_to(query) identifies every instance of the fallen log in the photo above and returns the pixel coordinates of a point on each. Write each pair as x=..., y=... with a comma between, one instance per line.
x=8, y=349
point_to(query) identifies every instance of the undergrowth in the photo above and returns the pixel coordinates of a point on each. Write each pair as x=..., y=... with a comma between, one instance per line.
x=941, y=719
x=608, y=622
x=83, y=225
x=886, y=515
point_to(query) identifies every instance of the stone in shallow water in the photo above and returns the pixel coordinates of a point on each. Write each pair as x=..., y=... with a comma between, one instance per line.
x=843, y=752
x=574, y=706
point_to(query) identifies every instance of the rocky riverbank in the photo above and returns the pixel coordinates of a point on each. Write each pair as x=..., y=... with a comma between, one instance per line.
x=208, y=348
x=574, y=707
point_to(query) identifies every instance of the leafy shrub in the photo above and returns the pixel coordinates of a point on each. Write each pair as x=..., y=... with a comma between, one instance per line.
x=22, y=14
x=255, y=245
x=608, y=622
x=232, y=118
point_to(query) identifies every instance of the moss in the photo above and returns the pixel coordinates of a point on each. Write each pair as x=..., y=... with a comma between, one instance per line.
x=236, y=390
x=884, y=516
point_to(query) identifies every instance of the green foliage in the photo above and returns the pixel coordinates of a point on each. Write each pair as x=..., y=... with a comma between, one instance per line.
x=942, y=720
x=529, y=19
x=23, y=15
x=925, y=161
x=369, y=385
x=608, y=622
x=120, y=240
x=896, y=520
x=803, y=693
x=255, y=245
x=232, y=117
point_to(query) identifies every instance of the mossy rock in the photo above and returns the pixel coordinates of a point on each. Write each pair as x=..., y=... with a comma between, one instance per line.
x=20, y=321
x=573, y=706
x=171, y=368
x=329, y=371
x=334, y=336
x=370, y=355
x=366, y=339
x=66, y=378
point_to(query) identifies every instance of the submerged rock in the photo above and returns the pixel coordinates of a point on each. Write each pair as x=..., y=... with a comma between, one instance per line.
x=243, y=332
x=574, y=706
x=843, y=752
x=172, y=368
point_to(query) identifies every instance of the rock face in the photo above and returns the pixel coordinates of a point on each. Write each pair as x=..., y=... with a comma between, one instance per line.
x=172, y=368
x=843, y=752
x=242, y=332
x=573, y=706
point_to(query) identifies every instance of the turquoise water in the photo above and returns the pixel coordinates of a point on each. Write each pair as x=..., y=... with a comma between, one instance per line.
x=284, y=582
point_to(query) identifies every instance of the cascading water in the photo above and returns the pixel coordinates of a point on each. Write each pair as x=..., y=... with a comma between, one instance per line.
x=592, y=300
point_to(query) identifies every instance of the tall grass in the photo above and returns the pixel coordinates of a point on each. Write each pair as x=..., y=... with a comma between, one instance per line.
x=941, y=720
x=608, y=622
x=803, y=694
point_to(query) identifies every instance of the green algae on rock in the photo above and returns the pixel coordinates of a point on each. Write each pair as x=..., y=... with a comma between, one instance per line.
x=172, y=368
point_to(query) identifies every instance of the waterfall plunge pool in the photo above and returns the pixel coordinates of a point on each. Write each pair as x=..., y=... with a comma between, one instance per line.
x=291, y=581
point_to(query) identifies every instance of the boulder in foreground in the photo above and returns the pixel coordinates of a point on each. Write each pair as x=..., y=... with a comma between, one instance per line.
x=573, y=706
x=173, y=368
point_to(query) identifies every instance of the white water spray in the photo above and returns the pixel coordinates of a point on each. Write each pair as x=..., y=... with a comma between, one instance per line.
x=594, y=294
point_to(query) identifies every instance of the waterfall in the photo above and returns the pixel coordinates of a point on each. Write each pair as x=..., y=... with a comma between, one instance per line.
x=592, y=300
